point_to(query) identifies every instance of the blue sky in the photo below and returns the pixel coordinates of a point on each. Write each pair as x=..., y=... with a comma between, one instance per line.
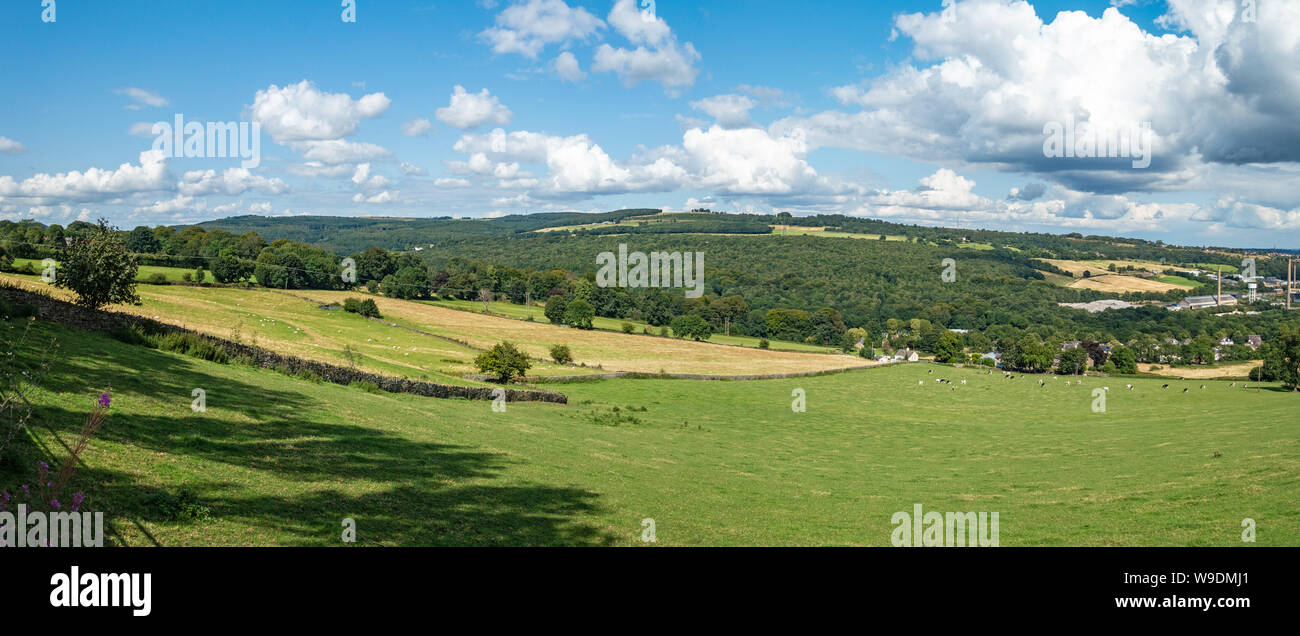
x=900, y=110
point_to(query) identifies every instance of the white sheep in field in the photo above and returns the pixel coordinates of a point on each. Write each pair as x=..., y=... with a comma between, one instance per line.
x=921, y=382
x=963, y=382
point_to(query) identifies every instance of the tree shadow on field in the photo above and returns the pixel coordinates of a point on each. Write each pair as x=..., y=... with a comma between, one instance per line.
x=400, y=491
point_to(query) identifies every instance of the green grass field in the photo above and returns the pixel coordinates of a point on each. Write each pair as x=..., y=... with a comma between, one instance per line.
x=172, y=274
x=282, y=461
x=1178, y=280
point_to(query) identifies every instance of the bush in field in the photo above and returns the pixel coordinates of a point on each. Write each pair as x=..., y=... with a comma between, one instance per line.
x=189, y=344
x=555, y=308
x=156, y=278
x=579, y=314
x=947, y=347
x=409, y=283
x=366, y=307
x=628, y=327
x=229, y=268
x=691, y=326
x=1073, y=362
x=503, y=360
x=561, y=354
x=99, y=269
x=1125, y=360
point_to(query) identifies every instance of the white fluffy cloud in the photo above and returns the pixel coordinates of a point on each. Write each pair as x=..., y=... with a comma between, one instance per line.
x=470, y=110
x=301, y=112
x=738, y=162
x=729, y=111
x=11, y=147
x=1224, y=91
x=1231, y=212
x=141, y=98
x=657, y=57
x=232, y=181
x=946, y=197
x=366, y=181
x=639, y=26
x=417, y=127
x=528, y=27
x=92, y=185
x=179, y=203
x=567, y=67
x=336, y=151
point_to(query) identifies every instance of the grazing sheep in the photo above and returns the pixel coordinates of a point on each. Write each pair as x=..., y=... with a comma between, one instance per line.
x=1128, y=386
x=963, y=382
x=1184, y=390
x=1165, y=386
x=921, y=382
x=1202, y=387
x=1232, y=385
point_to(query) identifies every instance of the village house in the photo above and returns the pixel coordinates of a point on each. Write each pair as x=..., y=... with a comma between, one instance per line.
x=906, y=355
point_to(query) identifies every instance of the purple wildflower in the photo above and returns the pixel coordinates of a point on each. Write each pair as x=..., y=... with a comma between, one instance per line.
x=54, y=503
x=104, y=400
x=77, y=498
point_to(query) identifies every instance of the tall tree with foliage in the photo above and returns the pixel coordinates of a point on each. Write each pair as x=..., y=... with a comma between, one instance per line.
x=691, y=326
x=503, y=360
x=555, y=308
x=948, y=347
x=1125, y=360
x=99, y=269
x=1073, y=362
x=579, y=314
x=1282, y=364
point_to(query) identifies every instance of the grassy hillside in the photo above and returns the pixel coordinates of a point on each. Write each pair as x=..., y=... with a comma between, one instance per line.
x=282, y=461
x=445, y=351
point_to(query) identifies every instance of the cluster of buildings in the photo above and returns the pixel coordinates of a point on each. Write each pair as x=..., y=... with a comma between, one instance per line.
x=1276, y=292
x=902, y=355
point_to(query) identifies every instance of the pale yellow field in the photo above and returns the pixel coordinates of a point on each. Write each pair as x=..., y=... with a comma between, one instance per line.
x=1113, y=283
x=1234, y=370
x=1077, y=268
x=609, y=350
x=291, y=325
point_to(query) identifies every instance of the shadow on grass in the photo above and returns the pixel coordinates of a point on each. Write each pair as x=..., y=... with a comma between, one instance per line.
x=400, y=491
